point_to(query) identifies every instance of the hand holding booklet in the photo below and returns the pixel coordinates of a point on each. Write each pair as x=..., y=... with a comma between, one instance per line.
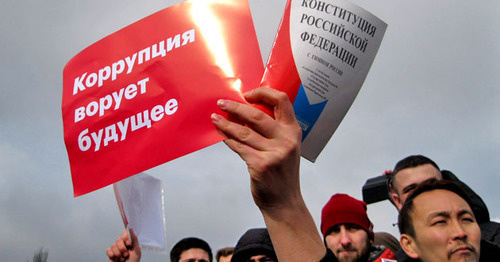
x=140, y=200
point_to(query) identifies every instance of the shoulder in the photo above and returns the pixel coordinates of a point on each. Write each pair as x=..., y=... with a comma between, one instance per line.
x=401, y=256
x=489, y=251
x=387, y=240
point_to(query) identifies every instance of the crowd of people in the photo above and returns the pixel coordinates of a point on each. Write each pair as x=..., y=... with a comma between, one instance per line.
x=440, y=218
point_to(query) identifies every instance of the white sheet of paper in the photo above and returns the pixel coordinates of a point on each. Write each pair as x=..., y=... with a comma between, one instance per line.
x=140, y=200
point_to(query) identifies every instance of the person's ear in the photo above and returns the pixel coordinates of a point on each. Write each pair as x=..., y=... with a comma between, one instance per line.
x=394, y=197
x=409, y=246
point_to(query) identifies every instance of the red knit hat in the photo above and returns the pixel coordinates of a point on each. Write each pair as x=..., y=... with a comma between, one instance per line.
x=343, y=209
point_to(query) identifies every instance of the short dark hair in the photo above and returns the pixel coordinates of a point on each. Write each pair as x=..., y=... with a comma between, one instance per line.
x=224, y=252
x=408, y=162
x=188, y=243
x=405, y=221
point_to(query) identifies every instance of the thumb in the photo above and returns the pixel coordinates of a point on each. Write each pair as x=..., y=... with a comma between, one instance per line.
x=133, y=236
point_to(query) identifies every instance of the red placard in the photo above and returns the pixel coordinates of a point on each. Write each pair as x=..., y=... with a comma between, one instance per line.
x=143, y=95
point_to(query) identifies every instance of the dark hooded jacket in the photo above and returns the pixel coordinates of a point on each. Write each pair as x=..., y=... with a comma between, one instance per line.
x=490, y=230
x=254, y=242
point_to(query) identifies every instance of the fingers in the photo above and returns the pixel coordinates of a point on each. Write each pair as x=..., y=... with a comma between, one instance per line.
x=115, y=253
x=134, y=237
x=110, y=254
x=118, y=250
x=126, y=239
x=237, y=133
x=135, y=251
x=256, y=135
x=247, y=153
x=283, y=108
x=247, y=115
x=257, y=122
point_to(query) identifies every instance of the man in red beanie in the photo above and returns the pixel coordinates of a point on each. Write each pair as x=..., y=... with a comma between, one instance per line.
x=348, y=232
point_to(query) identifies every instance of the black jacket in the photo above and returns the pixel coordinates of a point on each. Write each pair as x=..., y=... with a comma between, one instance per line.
x=489, y=252
x=490, y=230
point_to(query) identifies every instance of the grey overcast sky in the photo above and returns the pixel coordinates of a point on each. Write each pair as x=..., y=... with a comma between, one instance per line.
x=433, y=89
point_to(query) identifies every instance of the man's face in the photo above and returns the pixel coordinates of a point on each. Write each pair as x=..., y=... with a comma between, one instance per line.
x=194, y=255
x=406, y=180
x=445, y=228
x=348, y=242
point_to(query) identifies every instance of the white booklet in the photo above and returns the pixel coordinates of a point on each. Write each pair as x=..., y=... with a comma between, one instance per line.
x=141, y=203
x=321, y=56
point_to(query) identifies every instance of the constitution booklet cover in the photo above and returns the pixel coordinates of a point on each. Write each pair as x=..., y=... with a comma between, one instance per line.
x=321, y=55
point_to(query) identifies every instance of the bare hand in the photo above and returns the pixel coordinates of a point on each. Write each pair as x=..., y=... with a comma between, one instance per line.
x=125, y=249
x=271, y=149
x=269, y=146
